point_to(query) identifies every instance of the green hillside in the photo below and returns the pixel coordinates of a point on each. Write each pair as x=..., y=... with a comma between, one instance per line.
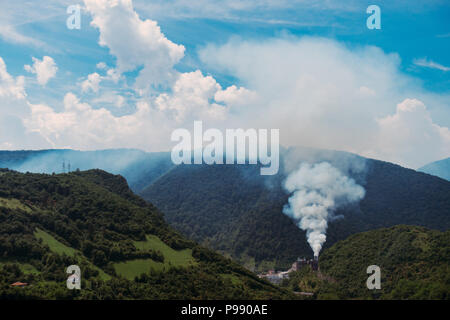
x=121, y=243
x=414, y=264
x=238, y=212
x=172, y=258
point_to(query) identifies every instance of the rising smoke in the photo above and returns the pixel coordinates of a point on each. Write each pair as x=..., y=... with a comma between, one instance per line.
x=317, y=191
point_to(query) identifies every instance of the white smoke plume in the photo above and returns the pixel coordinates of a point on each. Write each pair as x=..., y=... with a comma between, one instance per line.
x=317, y=191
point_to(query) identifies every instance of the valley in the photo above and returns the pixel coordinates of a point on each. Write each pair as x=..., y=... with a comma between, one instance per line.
x=126, y=249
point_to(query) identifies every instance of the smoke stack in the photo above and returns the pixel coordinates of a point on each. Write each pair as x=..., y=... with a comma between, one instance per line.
x=316, y=258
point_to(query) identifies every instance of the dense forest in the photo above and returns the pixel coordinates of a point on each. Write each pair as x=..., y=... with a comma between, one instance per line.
x=122, y=244
x=236, y=211
x=414, y=264
x=126, y=250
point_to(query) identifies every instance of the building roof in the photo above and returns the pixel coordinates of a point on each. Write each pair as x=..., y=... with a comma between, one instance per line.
x=19, y=284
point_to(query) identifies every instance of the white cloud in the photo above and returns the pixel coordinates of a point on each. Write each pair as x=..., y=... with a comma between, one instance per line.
x=81, y=126
x=430, y=64
x=13, y=97
x=410, y=136
x=91, y=83
x=101, y=65
x=235, y=96
x=367, y=92
x=44, y=69
x=135, y=42
x=10, y=34
x=14, y=108
x=189, y=95
x=319, y=92
x=322, y=94
x=11, y=87
x=111, y=98
x=113, y=75
x=195, y=96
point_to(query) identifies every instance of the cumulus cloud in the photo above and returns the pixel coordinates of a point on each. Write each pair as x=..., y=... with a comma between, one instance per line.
x=318, y=92
x=11, y=87
x=85, y=125
x=44, y=69
x=82, y=126
x=195, y=96
x=13, y=102
x=101, y=65
x=323, y=94
x=93, y=80
x=14, y=108
x=135, y=42
x=91, y=83
x=235, y=96
x=410, y=136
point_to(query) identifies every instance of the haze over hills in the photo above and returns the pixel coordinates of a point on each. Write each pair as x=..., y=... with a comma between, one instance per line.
x=122, y=244
x=439, y=168
x=93, y=219
x=235, y=210
x=138, y=167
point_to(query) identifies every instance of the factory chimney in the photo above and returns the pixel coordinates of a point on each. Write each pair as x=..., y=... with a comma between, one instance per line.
x=315, y=263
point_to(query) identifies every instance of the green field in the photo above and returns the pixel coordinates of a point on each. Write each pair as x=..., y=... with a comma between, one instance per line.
x=178, y=258
x=133, y=268
x=26, y=268
x=232, y=277
x=172, y=258
x=13, y=204
x=60, y=248
x=54, y=244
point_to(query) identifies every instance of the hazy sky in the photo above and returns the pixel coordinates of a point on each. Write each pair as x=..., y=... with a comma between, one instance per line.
x=136, y=70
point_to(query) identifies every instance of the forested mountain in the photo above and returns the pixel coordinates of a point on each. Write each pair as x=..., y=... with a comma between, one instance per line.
x=138, y=167
x=233, y=209
x=123, y=245
x=439, y=168
x=414, y=263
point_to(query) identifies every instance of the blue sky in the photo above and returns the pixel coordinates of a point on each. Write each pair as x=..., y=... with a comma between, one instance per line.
x=412, y=34
x=409, y=28
x=414, y=37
